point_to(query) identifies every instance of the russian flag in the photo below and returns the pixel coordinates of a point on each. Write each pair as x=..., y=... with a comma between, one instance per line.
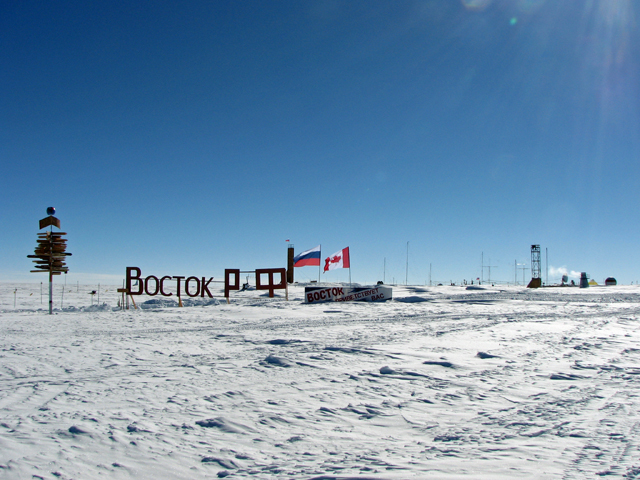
x=309, y=258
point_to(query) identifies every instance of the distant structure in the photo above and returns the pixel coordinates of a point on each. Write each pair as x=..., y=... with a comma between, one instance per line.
x=536, y=278
x=610, y=281
x=584, y=280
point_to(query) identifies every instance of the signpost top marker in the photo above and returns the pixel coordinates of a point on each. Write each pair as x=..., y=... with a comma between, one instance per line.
x=50, y=220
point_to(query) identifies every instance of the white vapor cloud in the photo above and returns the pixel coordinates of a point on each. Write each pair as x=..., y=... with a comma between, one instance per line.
x=559, y=271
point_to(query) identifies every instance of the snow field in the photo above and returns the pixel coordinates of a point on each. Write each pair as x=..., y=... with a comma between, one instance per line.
x=441, y=382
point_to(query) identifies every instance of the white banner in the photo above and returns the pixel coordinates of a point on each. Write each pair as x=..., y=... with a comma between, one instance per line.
x=347, y=294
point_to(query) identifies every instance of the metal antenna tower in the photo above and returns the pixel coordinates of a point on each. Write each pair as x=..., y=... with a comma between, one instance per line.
x=523, y=267
x=535, y=262
x=489, y=267
x=536, y=277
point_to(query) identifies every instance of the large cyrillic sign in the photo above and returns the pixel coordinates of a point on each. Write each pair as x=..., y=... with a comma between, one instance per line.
x=347, y=294
x=152, y=285
x=270, y=283
x=199, y=286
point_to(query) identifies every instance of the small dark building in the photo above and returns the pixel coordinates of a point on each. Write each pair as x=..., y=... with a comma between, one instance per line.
x=610, y=281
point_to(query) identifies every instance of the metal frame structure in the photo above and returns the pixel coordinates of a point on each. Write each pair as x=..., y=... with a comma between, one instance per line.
x=536, y=270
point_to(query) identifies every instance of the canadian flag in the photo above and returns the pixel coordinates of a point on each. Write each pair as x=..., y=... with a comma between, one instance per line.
x=339, y=259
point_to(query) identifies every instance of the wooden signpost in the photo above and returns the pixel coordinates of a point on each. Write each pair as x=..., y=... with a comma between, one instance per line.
x=126, y=296
x=49, y=255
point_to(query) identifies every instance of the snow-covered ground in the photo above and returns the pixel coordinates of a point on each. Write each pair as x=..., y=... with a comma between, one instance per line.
x=440, y=382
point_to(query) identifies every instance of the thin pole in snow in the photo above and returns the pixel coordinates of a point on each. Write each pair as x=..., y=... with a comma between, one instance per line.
x=406, y=276
x=50, y=282
x=50, y=293
x=547, y=255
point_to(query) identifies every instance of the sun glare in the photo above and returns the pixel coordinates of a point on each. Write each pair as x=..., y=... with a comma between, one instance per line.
x=476, y=4
x=608, y=28
x=529, y=6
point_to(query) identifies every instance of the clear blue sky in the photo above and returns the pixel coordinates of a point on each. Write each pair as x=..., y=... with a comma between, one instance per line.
x=189, y=137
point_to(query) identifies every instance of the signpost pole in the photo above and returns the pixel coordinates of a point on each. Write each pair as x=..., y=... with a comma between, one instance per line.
x=50, y=292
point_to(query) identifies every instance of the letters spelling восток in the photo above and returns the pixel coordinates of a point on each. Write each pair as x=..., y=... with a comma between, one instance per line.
x=151, y=285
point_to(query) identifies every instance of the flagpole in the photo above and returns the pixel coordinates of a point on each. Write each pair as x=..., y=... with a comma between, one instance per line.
x=406, y=278
x=320, y=264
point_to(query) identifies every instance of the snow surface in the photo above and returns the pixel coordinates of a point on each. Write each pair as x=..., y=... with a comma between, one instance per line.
x=441, y=382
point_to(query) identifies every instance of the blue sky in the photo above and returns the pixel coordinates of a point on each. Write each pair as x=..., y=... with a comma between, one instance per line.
x=189, y=137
